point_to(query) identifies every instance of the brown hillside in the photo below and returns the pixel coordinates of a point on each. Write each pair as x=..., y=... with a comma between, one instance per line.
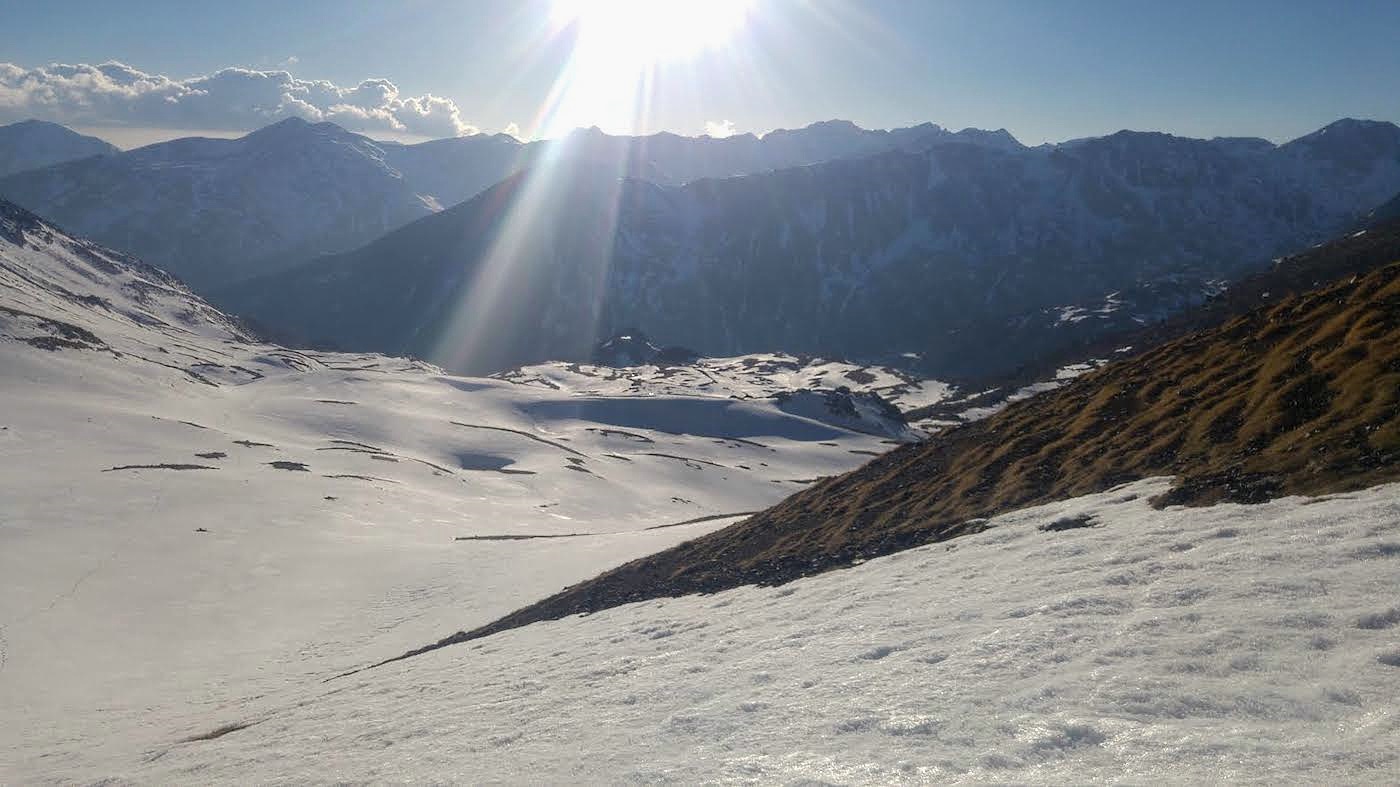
x=1299, y=397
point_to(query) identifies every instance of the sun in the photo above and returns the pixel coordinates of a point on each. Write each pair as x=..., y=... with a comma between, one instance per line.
x=619, y=51
x=645, y=32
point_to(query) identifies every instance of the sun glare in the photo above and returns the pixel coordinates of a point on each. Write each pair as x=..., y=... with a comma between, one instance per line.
x=618, y=49
x=648, y=31
x=614, y=68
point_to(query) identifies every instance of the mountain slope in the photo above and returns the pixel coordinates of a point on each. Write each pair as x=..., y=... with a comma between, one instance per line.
x=32, y=144
x=976, y=257
x=1302, y=397
x=1358, y=252
x=1388, y=212
x=62, y=293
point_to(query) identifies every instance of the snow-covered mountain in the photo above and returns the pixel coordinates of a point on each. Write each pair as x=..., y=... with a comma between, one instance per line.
x=214, y=211
x=975, y=257
x=32, y=144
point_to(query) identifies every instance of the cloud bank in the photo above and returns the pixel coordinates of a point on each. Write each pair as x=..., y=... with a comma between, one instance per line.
x=115, y=94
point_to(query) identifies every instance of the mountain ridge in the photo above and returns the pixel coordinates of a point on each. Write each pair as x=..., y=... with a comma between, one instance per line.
x=940, y=252
x=248, y=215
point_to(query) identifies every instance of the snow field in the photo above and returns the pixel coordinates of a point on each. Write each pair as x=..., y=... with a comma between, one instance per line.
x=1229, y=644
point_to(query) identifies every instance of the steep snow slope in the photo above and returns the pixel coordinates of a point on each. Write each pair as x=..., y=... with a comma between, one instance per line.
x=31, y=144
x=977, y=258
x=1239, y=644
x=189, y=518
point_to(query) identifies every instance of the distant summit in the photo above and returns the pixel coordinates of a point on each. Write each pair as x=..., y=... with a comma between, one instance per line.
x=31, y=144
x=214, y=210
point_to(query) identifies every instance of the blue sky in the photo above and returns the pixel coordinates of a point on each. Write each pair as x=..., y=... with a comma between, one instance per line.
x=1044, y=70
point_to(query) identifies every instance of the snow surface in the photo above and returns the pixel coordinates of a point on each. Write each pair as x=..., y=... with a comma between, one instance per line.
x=190, y=520
x=798, y=381
x=1229, y=644
x=755, y=376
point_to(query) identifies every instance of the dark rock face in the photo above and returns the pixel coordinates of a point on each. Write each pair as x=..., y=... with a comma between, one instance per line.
x=975, y=257
x=635, y=350
x=623, y=351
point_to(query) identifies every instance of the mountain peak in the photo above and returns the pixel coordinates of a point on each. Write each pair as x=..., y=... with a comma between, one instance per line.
x=835, y=124
x=33, y=144
x=35, y=123
x=295, y=128
x=998, y=138
x=1352, y=125
x=1348, y=130
x=1358, y=145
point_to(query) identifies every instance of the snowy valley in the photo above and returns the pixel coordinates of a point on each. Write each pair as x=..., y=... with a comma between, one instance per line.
x=193, y=519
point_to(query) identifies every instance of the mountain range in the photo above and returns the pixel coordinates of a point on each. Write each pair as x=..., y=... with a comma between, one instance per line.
x=976, y=256
x=969, y=251
x=215, y=211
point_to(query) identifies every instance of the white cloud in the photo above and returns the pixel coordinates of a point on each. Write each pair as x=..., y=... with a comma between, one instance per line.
x=719, y=129
x=512, y=129
x=115, y=94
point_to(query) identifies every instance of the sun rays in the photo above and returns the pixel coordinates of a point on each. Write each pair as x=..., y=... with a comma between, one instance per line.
x=623, y=58
x=608, y=80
